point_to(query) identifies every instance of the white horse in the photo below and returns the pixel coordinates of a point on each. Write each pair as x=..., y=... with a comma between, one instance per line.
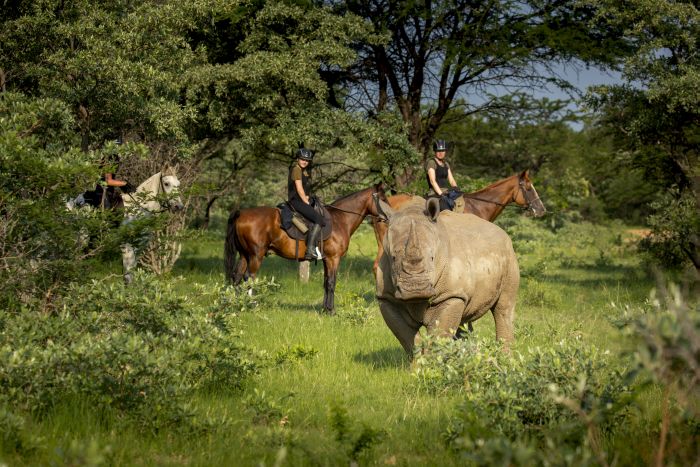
x=158, y=193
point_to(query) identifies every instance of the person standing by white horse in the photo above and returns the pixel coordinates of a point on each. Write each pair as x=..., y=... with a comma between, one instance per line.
x=158, y=193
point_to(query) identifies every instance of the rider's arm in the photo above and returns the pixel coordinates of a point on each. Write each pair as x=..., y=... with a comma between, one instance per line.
x=450, y=178
x=300, y=191
x=433, y=182
x=111, y=181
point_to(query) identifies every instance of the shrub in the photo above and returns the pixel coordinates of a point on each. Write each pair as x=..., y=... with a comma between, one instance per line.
x=356, y=309
x=139, y=352
x=518, y=407
x=675, y=225
x=667, y=358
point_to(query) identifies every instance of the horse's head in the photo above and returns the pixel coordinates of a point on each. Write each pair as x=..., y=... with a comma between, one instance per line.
x=170, y=187
x=527, y=197
x=378, y=193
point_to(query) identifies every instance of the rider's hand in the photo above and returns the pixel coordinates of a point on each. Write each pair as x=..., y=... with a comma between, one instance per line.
x=128, y=188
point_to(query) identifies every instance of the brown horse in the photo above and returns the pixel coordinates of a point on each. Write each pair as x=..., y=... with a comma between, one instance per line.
x=253, y=232
x=487, y=203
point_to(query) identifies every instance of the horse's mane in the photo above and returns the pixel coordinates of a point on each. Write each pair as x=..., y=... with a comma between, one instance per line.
x=495, y=184
x=350, y=195
x=146, y=184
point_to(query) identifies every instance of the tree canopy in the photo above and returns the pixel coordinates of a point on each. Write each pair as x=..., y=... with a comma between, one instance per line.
x=441, y=55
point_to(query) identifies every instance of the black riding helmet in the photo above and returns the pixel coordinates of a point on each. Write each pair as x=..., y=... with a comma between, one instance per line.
x=305, y=154
x=440, y=145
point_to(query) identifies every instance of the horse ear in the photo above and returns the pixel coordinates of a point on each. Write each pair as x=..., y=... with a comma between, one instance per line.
x=525, y=175
x=384, y=209
x=432, y=207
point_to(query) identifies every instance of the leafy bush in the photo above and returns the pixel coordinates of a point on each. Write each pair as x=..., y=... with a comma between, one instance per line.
x=667, y=358
x=675, y=225
x=241, y=298
x=14, y=435
x=355, y=440
x=295, y=353
x=521, y=406
x=40, y=168
x=356, y=309
x=139, y=352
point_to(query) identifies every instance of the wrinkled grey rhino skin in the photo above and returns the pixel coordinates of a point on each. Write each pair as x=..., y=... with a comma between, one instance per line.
x=442, y=270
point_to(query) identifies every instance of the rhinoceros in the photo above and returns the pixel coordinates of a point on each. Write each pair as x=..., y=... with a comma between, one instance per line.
x=443, y=270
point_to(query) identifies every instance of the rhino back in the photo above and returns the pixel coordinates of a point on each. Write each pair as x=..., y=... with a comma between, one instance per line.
x=480, y=261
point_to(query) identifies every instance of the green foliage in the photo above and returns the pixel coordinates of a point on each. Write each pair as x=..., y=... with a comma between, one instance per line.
x=528, y=407
x=15, y=436
x=295, y=353
x=674, y=228
x=265, y=410
x=665, y=331
x=139, y=351
x=40, y=240
x=88, y=453
x=654, y=115
x=355, y=441
x=667, y=336
x=355, y=309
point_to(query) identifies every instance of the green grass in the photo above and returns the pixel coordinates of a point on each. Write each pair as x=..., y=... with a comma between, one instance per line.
x=314, y=364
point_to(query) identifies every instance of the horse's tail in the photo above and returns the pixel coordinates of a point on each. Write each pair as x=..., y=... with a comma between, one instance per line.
x=230, y=247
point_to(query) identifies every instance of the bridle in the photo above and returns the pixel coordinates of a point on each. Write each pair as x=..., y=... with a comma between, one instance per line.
x=162, y=190
x=374, y=195
x=529, y=200
x=521, y=186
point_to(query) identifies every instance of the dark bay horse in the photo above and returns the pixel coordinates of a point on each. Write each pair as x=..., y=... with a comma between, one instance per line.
x=487, y=203
x=253, y=232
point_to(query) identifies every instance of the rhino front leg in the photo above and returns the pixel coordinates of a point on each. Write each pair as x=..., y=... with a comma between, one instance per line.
x=401, y=324
x=445, y=317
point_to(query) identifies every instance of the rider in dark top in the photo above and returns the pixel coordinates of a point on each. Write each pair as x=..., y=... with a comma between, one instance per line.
x=299, y=194
x=439, y=175
x=105, y=195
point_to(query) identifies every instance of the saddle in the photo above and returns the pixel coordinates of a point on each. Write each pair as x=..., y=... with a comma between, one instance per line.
x=297, y=226
x=453, y=200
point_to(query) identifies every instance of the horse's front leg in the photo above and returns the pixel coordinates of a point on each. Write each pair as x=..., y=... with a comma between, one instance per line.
x=330, y=270
x=128, y=261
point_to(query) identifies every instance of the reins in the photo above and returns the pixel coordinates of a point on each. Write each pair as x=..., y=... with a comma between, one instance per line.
x=351, y=212
x=162, y=190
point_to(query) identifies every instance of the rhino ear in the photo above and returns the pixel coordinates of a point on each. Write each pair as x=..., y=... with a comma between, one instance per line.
x=432, y=208
x=383, y=209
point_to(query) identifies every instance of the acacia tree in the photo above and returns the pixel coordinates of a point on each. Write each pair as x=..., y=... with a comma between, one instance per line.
x=655, y=115
x=440, y=54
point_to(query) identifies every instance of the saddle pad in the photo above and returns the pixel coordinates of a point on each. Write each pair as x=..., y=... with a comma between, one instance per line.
x=294, y=232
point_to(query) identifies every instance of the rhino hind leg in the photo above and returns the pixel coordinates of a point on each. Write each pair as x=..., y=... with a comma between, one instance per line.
x=404, y=328
x=504, y=316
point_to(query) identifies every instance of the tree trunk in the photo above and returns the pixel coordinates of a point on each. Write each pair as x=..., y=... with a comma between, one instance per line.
x=304, y=268
x=207, y=213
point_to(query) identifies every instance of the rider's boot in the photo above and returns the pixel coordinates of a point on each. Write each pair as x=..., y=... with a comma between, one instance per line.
x=312, y=251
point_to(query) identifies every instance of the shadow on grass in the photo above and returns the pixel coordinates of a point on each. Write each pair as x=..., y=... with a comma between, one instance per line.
x=272, y=264
x=311, y=307
x=586, y=276
x=202, y=265
x=388, y=357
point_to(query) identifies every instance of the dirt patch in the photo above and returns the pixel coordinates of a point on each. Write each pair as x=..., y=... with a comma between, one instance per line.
x=639, y=233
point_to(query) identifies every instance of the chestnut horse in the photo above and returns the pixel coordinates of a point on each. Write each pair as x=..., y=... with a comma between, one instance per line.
x=253, y=232
x=487, y=203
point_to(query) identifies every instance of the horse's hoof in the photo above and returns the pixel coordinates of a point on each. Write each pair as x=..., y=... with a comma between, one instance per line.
x=128, y=279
